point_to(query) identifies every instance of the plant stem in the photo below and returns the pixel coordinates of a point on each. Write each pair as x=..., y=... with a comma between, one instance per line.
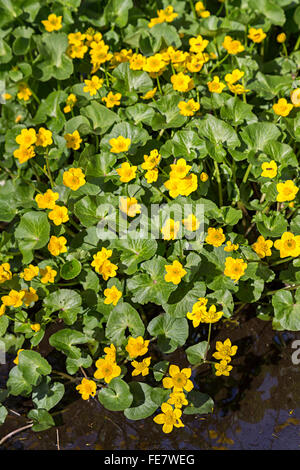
x=247, y=173
x=219, y=183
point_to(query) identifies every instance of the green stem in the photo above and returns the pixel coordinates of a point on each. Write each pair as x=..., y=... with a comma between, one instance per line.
x=48, y=170
x=247, y=173
x=219, y=184
x=208, y=341
x=158, y=85
x=218, y=63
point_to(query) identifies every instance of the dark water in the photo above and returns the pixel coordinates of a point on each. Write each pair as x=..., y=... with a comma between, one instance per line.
x=257, y=407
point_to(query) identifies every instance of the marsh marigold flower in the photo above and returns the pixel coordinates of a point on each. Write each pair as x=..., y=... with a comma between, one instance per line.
x=119, y=144
x=295, y=97
x=215, y=86
x=262, y=247
x=29, y=273
x=179, y=380
x=215, y=236
x=30, y=296
x=93, y=85
x=141, y=367
x=232, y=46
x=288, y=245
x=137, y=346
x=198, y=44
x=170, y=229
x=225, y=350
x=286, y=191
x=178, y=399
x=175, y=272
x=47, y=275
x=23, y=154
x=211, y=315
x=188, y=108
x=235, y=268
x=256, y=35
x=169, y=418
x=110, y=353
x=197, y=315
x=27, y=138
x=24, y=92
x=223, y=368
x=182, y=82
x=269, y=169
x=5, y=273
x=16, y=360
x=107, y=370
x=112, y=295
x=70, y=103
x=231, y=246
x=59, y=215
x=150, y=94
x=74, y=178
x=112, y=100
x=13, y=299
x=57, y=245
x=44, y=137
x=282, y=107
x=53, y=23
x=46, y=200
x=191, y=223
x=281, y=38
x=126, y=172
x=73, y=140
x=87, y=388
x=130, y=206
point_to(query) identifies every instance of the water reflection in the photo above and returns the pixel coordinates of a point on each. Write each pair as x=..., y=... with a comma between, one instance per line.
x=257, y=407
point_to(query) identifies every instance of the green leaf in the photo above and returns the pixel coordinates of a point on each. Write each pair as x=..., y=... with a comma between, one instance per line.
x=7, y=211
x=258, y=135
x=33, y=366
x=272, y=225
x=116, y=12
x=171, y=332
x=199, y=403
x=47, y=394
x=116, y=396
x=196, y=353
x=64, y=341
x=129, y=81
x=100, y=116
x=286, y=310
x=42, y=420
x=70, y=269
x=17, y=384
x=183, y=298
x=270, y=9
x=3, y=414
x=142, y=406
x=186, y=144
x=32, y=233
x=137, y=135
x=168, y=115
x=159, y=370
x=67, y=302
x=151, y=286
x=218, y=132
x=122, y=317
x=134, y=252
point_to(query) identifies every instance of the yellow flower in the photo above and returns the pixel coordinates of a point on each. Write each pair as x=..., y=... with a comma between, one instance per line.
x=112, y=295
x=151, y=161
x=223, y=368
x=107, y=370
x=93, y=85
x=110, y=353
x=77, y=51
x=24, y=92
x=256, y=35
x=286, y=191
x=197, y=315
x=199, y=6
x=48, y=274
x=215, y=236
x=203, y=177
x=141, y=367
x=6, y=96
x=262, y=247
x=27, y=138
x=119, y=144
x=179, y=380
x=191, y=223
x=112, y=100
x=44, y=137
x=282, y=107
x=178, y=399
x=137, y=346
x=231, y=246
x=36, y=327
x=149, y=94
x=100, y=257
x=70, y=103
x=87, y=388
x=137, y=62
x=73, y=140
x=99, y=54
x=46, y=200
x=188, y=108
x=13, y=299
x=211, y=315
x=76, y=38
x=215, y=86
x=180, y=169
x=237, y=89
x=225, y=350
x=205, y=14
x=29, y=273
x=194, y=63
x=170, y=229
x=182, y=82
x=281, y=38
x=2, y=310
x=130, y=206
x=295, y=97
x=59, y=215
x=232, y=46
x=154, y=64
x=269, y=169
x=234, y=76
x=5, y=273
x=74, y=178
x=198, y=44
x=56, y=245
x=175, y=272
x=53, y=23
x=169, y=418
x=151, y=175
x=24, y=153
x=126, y=172
x=30, y=296
x=167, y=14
x=235, y=268
x=288, y=245
x=16, y=360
